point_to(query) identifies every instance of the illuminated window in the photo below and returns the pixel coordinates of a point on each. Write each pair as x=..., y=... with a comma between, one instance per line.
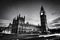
x=41, y=13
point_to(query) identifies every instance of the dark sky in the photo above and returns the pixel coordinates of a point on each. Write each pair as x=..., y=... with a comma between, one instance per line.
x=30, y=8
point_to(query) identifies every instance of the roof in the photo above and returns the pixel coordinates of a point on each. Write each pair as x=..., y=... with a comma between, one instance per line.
x=29, y=25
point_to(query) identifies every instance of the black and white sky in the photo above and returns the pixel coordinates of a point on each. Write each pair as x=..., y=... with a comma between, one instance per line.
x=30, y=9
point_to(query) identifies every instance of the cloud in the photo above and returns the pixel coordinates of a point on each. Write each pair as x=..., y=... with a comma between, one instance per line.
x=56, y=10
x=3, y=25
x=56, y=22
x=4, y=22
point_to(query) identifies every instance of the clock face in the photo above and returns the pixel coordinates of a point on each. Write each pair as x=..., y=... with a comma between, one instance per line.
x=41, y=13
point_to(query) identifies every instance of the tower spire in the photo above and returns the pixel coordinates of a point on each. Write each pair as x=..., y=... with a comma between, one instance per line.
x=42, y=12
x=42, y=8
x=19, y=15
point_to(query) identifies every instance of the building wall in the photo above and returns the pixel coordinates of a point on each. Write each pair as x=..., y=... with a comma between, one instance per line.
x=27, y=28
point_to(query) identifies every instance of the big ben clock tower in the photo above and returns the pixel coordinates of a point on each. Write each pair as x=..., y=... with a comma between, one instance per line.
x=43, y=20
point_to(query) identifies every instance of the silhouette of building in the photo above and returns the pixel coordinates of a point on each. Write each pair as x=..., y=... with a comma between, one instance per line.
x=43, y=20
x=16, y=23
x=19, y=26
x=3, y=28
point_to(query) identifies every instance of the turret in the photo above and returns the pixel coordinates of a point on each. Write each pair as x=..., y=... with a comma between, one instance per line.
x=42, y=12
x=19, y=15
x=24, y=18
x=14, y=21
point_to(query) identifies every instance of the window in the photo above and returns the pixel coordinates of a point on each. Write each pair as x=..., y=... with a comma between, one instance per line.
x=41, y=13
